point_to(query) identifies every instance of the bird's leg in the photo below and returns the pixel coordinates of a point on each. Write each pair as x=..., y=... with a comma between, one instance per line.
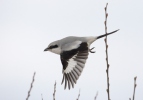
x=90, y=50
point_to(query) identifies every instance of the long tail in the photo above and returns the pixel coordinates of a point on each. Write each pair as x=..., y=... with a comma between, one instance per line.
x=98, y=37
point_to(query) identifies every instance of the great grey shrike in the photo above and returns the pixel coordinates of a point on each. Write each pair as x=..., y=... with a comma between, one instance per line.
x=73, y=52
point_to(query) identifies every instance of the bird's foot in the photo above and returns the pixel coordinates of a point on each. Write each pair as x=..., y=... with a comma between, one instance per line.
x=90, y=50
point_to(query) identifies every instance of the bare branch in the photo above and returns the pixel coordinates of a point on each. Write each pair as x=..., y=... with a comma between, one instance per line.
x=78, y=95
x=107, y=70
x=31, y=86
x=96, y=96
x=135, y=85
x=41, y=96
x=54, y=91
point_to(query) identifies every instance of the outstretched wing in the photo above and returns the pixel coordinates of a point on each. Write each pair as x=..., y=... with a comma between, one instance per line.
x=73, y=62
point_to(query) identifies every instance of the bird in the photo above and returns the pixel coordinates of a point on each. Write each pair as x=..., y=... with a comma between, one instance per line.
x=73, y=53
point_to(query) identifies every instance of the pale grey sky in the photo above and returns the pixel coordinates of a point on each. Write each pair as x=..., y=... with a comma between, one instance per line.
x=28, y=26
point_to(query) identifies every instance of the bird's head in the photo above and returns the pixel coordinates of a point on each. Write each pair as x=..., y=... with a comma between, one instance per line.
x=54, y=47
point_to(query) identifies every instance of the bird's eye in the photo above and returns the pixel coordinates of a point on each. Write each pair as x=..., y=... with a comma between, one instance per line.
x=53, y=46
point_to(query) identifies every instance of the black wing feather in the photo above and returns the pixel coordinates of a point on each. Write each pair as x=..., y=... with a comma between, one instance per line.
x=79, y=55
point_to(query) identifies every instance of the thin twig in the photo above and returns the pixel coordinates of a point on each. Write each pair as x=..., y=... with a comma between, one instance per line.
x=31, y=86
x=96, y=96
x=54, y=91
x=135, y=85
x=78, y=95
x=107, y=70
x=41, y=96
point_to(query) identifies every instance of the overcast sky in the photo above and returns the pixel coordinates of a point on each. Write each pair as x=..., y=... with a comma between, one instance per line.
x=28, y=26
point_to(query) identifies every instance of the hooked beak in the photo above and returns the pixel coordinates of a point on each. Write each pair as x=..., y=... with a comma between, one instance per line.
x=47, y=49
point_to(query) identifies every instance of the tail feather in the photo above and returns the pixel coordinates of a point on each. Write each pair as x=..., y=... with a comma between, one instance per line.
x=98, y=37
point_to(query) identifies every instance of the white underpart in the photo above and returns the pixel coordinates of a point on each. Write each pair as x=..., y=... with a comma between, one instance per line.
x=56, y=50
x=90, y=40
x=71, y=65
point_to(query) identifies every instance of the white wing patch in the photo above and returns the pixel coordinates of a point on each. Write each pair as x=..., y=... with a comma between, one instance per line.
x=71, y=64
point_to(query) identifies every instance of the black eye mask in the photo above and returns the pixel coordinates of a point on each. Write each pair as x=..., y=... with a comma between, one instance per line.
x=53, y=46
